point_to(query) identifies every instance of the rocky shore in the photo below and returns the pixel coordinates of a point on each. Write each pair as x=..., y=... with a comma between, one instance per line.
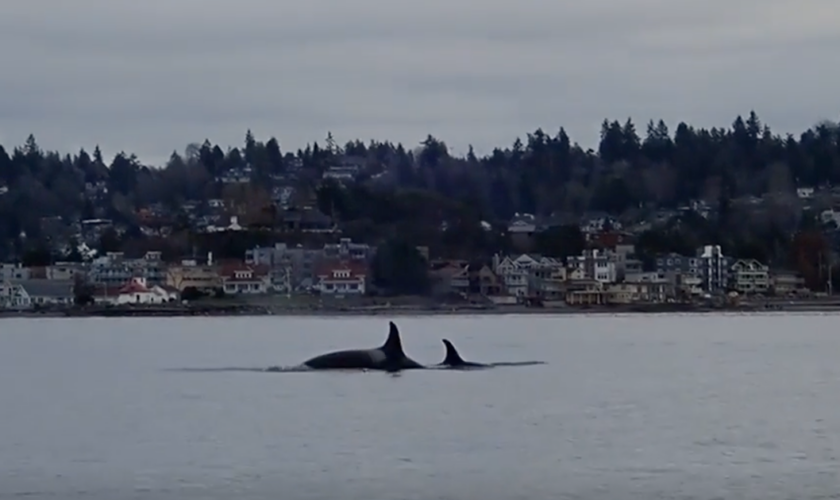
x=338, y=308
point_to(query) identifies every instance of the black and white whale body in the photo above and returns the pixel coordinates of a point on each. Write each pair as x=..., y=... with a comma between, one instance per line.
x=389, y=357
x=454, y=361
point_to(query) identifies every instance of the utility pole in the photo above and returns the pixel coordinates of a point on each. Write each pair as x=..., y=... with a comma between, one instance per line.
x=819, y=266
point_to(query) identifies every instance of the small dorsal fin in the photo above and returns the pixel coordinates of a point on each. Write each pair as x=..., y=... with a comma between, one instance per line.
x=393, y=346
x=452, y=356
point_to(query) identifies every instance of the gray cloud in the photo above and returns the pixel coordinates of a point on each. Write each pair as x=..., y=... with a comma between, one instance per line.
x=151, y=76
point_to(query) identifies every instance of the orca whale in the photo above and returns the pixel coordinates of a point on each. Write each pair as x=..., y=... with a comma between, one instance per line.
x=388, y=357
x=454, y=361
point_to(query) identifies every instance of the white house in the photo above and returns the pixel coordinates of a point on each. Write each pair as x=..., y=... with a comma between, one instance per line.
x=595, y=265
x=517, y=272
x=137, y=291
x=348, y=277
x=522, y=224
x=247, y=279
x=14, y=296
x=512, y=274
x=750, y=276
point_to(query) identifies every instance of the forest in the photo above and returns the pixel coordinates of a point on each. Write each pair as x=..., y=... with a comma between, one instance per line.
x=411, y=190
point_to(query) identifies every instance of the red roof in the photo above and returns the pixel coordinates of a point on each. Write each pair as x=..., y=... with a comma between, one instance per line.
x=327, y=269
x=134, y=286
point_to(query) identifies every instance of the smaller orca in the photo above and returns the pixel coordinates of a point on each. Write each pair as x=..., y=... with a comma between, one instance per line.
x=454, y=361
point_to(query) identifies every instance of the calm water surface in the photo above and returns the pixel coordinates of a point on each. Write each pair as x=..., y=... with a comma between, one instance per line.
x=628, y=407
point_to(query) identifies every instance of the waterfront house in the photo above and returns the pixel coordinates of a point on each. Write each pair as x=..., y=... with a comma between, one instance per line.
x=709, y=264
x=138, y=291
x=787, y=283
x=110, y=270
x=622, y=293
x=513, y=272
x=483, y=281
x=13, y=296
x=191, y=274
x=239, y=278
x=297, y=262
x=549, y=284
x=459, y=282
x=655, y=291
x=750, y=276
x=523, y=274
x=63, y=271
x=690, y=286
x=150, y=266
x=13, y=272
x=714, y=268
x=595, y=265
x=584, y=292
x=448, y=277
x=341, y=277
x=46, y=292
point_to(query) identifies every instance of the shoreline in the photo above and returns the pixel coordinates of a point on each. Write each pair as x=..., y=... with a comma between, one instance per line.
x=240, y=309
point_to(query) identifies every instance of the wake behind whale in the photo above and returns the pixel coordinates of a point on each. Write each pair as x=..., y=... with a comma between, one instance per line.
x=210, y=370
x=298, y=368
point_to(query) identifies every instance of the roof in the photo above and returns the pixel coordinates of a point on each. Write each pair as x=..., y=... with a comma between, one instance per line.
x=134, y=286
x=449, y=270
x=228, y=271
x=47, y=288
x=326, y=269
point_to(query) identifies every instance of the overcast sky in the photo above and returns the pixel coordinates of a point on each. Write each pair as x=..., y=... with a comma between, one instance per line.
x=151, y=76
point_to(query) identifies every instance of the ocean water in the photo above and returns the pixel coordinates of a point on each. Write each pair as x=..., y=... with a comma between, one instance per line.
x=627, y=407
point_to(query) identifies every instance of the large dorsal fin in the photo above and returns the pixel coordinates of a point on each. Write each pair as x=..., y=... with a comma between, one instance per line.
x=393, y=346
x=452, y=356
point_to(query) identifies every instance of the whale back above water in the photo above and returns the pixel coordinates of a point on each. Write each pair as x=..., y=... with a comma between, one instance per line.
x=389, y=356
x=454, y=360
